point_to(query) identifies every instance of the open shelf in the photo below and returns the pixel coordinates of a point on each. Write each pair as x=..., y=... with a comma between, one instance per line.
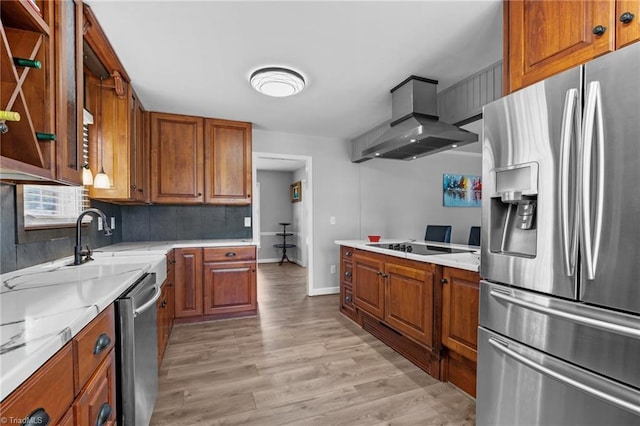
x=25, y=33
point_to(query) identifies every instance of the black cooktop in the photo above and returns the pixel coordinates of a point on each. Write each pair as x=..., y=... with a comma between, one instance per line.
x=422, y=249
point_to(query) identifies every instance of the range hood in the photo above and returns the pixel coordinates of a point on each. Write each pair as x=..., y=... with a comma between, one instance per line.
x=415, y=129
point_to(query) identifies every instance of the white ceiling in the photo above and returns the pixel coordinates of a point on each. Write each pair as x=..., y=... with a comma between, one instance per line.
x=195, y=57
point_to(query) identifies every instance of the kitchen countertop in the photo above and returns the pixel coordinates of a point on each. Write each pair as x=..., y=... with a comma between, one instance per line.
x=467, y=261
x=44, y=306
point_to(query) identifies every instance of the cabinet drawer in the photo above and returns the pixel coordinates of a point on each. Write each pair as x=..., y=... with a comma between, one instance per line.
x=227, y=254
x=96, y=405
x=47, y=393
x=346, y=253
x=347, y=274
x=92, y=345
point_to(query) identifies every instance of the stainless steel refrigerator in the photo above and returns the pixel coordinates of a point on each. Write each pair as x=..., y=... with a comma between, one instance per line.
x=559, y=335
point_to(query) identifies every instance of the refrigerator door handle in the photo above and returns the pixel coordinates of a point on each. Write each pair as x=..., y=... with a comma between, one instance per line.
x=606, y=390
x=593, y=124
x=624, y=330
x=570, y=125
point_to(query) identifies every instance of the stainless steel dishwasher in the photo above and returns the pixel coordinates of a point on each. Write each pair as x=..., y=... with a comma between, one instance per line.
x=137, y=352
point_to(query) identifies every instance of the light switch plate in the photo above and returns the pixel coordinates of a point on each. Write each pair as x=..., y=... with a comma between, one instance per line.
x=99, y=223
x=332, y=220
x=113, y=222
x=247, y=222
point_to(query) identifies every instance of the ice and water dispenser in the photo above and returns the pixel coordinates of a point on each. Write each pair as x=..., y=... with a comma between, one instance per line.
x=514, y=200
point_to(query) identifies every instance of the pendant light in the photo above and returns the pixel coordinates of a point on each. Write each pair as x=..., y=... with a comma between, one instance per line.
x=101, y=181
x=87, y=176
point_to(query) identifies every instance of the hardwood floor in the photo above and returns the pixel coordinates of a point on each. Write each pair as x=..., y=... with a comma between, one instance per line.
x=298, y=362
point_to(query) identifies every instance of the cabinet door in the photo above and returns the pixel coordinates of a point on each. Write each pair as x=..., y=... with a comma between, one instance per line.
x=408, y=301
x=69, y=91
x=227, y=162
x=188, y=285
x=368, y=284
x=229, y=287
x=177, y=169
x=460, y=295
x=109, y=137
x=48, y=393
x=627, y=26
x=543, y=38
x=139, y=152
x=96, y=405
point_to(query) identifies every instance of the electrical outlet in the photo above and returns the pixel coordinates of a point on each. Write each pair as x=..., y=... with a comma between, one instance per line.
x=247, y=222
x=99, y=224
x=332, y=220
x=113, y=222
x=332, y=269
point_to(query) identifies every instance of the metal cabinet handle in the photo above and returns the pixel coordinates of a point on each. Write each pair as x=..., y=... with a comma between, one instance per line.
x=230, y=254
x=163, y=304
x=140, y=190
x=102, y=343
x=348, y=253
x=199, y=194
x=347, y=274
x=348, y=299
x=627, y=17
x=38, y=417
x=599, y=30
x=104, y=414
x=443, y=281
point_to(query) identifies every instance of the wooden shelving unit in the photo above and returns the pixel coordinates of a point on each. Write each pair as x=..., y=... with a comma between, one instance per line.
x=28, y=91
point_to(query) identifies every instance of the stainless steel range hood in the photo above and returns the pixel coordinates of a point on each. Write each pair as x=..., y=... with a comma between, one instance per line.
x=415, y=129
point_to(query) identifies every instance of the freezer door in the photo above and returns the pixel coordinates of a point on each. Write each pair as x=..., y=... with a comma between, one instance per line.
x=611, y=208
x=518, y=385
x=529, y=155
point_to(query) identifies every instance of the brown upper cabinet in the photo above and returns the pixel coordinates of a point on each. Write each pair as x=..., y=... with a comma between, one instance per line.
x=44, y=143
x=177, y=158
x=117, y=139
x=200, y=160
x=543, y=38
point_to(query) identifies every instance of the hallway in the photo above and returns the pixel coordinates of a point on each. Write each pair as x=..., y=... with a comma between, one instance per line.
x=298, y=362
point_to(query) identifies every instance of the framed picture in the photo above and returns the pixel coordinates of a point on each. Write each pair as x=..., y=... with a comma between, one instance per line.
x=296, y=192
x=461, y=190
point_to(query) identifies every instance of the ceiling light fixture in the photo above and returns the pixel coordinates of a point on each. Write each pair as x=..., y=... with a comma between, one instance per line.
x=278, y=82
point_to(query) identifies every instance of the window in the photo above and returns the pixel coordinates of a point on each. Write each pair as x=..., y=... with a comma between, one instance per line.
x=48, y=206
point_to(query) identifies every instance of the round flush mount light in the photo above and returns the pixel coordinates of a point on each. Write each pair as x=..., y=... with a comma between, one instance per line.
x=278, y=82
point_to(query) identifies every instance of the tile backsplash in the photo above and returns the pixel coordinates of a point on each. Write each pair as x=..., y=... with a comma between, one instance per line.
x=133, y=223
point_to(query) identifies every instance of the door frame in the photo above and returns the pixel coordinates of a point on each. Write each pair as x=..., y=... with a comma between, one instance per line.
x=307, y=191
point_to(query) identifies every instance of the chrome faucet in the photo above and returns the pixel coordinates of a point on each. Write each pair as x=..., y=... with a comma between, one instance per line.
x=80, y=254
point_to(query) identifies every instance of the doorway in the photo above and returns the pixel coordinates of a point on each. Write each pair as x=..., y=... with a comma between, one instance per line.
x=273, y=203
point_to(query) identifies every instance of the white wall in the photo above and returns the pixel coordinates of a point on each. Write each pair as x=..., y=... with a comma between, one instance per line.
x=399, y=198
x=275, y=207
x=335, y=193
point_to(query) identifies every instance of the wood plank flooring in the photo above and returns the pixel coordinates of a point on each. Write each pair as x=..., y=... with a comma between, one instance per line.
x=298, y=362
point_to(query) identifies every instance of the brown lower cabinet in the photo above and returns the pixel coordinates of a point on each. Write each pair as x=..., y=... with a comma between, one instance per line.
x=460, y=310
x=74, y=386
x=215, y=281
x=397, y=301
x=426, y=312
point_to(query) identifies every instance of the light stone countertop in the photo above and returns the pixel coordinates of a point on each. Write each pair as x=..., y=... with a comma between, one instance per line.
x=44, y=306
x=467, y=261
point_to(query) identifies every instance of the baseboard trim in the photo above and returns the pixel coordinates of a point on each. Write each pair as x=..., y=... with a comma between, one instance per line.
x=323, y=291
